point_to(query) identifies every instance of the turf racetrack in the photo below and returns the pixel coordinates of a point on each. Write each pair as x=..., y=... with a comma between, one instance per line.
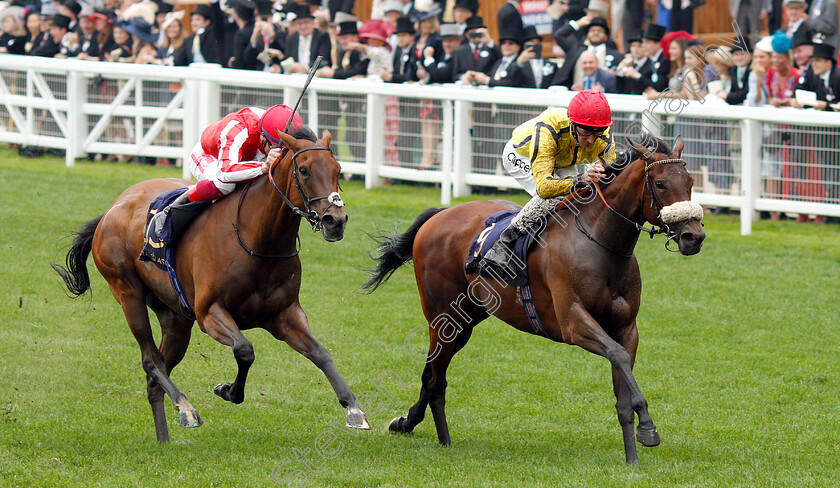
x=738, y=360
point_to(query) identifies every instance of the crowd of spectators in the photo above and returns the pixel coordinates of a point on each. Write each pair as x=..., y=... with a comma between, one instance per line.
x=423, y=42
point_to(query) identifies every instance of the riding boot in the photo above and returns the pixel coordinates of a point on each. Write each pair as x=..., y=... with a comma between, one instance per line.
x=159, y=219
x=500, y=253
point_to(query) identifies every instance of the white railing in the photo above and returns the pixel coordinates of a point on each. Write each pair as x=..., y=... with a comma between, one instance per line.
x=753, y=159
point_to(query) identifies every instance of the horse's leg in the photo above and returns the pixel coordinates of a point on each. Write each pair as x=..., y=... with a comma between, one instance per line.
x=219, y=325
x=293, y=328
x=129, y=293
x=417, y=412
x=175, y=330
x=646, y=433
x=588, y=334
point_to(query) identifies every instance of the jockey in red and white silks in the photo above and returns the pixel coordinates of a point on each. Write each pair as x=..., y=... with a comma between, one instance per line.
x=240, y=147
x=234, y=150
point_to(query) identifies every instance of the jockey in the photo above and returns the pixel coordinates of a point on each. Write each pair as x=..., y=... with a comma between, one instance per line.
x=240, y=147
x=551, y=156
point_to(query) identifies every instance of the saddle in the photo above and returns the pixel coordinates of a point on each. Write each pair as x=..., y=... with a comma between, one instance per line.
x=493, y=228
x=160, y=250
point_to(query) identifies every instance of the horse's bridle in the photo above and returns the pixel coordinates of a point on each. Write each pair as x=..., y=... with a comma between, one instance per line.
x=664, y=228
x=310, y=215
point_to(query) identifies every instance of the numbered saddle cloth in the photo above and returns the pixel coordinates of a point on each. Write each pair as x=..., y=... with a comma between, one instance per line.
x=517, y=274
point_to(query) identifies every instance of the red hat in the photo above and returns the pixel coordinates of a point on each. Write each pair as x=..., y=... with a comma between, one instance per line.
x=274, y=120
x=376, y=29
x=665, y=43
x=590, y=108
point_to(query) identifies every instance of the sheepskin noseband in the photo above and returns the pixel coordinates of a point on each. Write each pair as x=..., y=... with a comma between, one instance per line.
x=681, y=211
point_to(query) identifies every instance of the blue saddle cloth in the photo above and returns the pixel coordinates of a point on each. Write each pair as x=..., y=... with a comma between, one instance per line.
x=493, y=228
x=160, y=250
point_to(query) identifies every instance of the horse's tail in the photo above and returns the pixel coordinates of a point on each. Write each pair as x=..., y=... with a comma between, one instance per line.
x=395, y=250
x=75, y=275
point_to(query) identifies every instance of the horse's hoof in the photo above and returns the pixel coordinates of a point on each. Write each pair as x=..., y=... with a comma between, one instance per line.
x=189, y=419
x=223, y=390
x=395, y=425
x=356, y=419
x=648, y=438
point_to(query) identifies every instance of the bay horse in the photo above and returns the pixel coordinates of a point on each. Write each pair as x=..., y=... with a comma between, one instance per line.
x=584, y=278
x=235, y=278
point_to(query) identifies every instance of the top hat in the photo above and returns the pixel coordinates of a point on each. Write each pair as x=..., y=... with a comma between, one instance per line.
x=73, y=6
x=346, y=28
x=264, y=7
x=802, y=38
x=302, y=12
x=449, y=30
x=600, y=6
x=203, y=10
x=599, y=22
x=341, y=17
x=530, y=32
x=654, y=32
x=742, y=44
x=404, y=25
x=471, y=5
x=245, y=9
x=474, y=22
x=393, y=6
x=510, y=33
x=59, y=20
x=824, y=51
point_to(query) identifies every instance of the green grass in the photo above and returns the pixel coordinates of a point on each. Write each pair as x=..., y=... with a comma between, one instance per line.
x=738, y=360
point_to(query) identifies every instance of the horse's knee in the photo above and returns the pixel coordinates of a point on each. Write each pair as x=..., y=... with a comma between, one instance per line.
x=619, y=357
x=626, y=414
x=244, y=353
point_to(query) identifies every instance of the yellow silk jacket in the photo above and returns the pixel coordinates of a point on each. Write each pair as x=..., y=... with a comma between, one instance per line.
x=547, y=141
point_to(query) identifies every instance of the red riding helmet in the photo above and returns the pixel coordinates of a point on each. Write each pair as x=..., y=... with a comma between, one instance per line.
x=590, y=108
x=275, y=119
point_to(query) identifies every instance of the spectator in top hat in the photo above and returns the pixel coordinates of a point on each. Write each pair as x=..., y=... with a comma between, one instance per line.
x=656, y=74
x=597, y=35
x=463, y=10
x=306, y=44
x=351, y=60
x=823, y=78
x=505, y=72
x=479, y=53
x=244, y=14
x=802, y=49
x=71, y=10
x=823, y=21
x=739, y=73
x=631, y=69
x=510, y=20
x=536, y=71
x=405, y=59
x=204, y=45
x=434, y=70
x=52, y=47
x=267, y=41
x=595, y=9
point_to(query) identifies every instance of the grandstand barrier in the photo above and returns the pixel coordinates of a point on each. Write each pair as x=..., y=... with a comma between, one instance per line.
x=748, y=158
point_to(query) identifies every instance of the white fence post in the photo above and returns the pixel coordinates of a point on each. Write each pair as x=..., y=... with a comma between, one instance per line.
x=446, y=157
x=192, y=130
x=462, y=149
x=652, y=123
x=76, y=122
x=750, y=171
x=375, y=150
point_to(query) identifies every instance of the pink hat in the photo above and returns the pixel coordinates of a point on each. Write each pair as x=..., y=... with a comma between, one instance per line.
x=376, y=29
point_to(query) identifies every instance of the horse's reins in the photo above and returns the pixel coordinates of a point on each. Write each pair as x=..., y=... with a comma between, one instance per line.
x=652, y=231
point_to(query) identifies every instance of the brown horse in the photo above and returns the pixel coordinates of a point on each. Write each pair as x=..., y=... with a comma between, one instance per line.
x=226, y=273
x=585, y=279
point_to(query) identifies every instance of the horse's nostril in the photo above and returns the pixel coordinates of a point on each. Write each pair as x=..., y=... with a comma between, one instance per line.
x=328, y=221
x=688, y=237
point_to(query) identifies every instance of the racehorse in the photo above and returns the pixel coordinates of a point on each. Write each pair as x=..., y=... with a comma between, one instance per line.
x=584, y=277
x=226, y=274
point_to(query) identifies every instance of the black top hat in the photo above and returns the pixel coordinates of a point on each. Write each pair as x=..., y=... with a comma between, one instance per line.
x=302, y=12
x=474, y=22
x=510, y=33
x=742, y=44
x=824, y=51
x=599, y=22
x=164, y=8
x=471, y=5
x=530, y=32
x=404, y=24
x=263, y=7
x=802, y=38
x=59, y=20
x=244, y=9
x=316, y=3
x=345, y=28
x=203, y=10
x=73, y=6
x=654, y=32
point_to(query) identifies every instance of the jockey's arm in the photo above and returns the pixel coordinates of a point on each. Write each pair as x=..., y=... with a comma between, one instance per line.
x=233, y=169
x=543, y=163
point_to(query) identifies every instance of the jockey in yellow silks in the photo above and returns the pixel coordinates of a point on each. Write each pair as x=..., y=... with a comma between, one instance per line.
x=550, y=156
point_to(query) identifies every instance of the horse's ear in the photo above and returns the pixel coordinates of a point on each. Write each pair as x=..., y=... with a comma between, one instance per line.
x=288, y=140
x=326, y=138
x=644, y=152
x=679, y=145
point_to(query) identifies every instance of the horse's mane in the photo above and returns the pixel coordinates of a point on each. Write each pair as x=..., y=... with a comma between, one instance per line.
x=627, y=156
x=303, y=132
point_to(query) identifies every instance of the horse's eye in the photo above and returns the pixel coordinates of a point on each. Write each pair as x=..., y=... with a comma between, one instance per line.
x=303, y=171
x=659, y=185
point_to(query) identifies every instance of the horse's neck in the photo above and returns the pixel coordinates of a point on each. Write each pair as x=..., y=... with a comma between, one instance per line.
x=624, y=195
x=269, y=224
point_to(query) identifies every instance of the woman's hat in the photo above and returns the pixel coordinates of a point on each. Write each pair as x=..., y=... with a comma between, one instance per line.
x=170, y=18
x=140, y=28
x=420, y=16
x=781, y=43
